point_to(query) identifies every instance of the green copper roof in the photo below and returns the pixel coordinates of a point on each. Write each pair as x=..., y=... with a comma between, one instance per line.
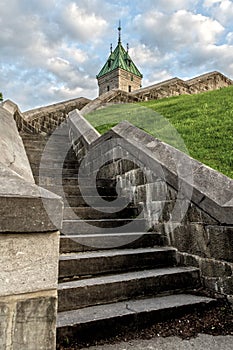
x=119, y=58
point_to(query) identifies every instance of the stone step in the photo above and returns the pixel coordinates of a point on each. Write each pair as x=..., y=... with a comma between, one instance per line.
x=94, y=201
x=72, y=190
x=90, y=242
x=54, y=164
x=34, y=156
x=98, y=321
x=118, y=287
x=54, y=172
x=73, y=181
x=41, y=137
x=87, y=213
x=103, y=225
x=53, y=140
x=116, y=260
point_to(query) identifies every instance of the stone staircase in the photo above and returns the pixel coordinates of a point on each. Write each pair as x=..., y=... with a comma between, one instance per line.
x=108, y=281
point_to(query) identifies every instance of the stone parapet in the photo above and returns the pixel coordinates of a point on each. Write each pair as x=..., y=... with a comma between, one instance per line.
x=190, y=204
x=29, y=248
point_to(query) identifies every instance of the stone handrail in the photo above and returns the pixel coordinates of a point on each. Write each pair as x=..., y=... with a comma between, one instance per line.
x=82, y=133
x=29, y=247
x=44, y=119
x=178, y=185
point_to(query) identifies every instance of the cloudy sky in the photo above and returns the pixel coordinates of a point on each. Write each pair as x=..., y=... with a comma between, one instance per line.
x=51, y=50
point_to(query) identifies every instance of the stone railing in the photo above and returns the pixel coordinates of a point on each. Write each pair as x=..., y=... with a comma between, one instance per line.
x=188, y=202
x=45, y=119
x=29, y=248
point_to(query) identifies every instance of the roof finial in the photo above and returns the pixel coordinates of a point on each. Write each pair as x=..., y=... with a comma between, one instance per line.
x=119, y=30
x=127, y=47
x=111, y=48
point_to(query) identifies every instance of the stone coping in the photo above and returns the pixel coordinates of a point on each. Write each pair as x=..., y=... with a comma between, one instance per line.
x=82, y=128
x=23, y=204
x=13, y=154
x=210, y=190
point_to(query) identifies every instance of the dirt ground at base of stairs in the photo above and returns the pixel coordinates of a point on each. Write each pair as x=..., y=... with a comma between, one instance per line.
x=215, y=321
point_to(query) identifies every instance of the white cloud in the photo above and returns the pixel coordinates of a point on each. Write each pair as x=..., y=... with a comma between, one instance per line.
x=173, y=31
x=209, y=3
x=51, y=50
x=83, y=25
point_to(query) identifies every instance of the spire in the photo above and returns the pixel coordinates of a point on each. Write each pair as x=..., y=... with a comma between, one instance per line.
x=119, y=33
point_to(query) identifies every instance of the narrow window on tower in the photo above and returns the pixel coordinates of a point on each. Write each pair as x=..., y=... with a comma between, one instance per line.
x=108, y=88
x=129, y=88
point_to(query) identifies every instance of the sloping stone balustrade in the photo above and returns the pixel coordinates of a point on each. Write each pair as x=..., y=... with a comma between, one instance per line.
x=29, y=246
x=190, y=203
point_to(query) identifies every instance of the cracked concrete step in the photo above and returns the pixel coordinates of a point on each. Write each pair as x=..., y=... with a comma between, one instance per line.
x=112, y=261
x=102, y=213
x=123, y=286
x=89, y=242
x=103, y=225
x=110, y=319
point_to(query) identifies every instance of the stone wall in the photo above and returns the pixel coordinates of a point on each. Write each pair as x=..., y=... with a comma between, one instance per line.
x=172, y=87
x=188, y=202
x=29, y=248
x=44, y=119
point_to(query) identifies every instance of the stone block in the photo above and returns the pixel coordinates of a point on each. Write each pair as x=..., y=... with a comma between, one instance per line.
x=205, y=241
x=29, y=262
x=24, y=207
x=13, y=154
x=4, y=320
x=35, y=324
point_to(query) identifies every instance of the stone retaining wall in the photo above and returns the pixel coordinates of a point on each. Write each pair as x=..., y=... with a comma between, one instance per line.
x=188, y=202
x=172, y=87
x=29, y=248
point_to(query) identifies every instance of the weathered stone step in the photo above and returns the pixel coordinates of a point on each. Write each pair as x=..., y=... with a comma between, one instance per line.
x=106, y=320
x=50, y=147
x=87, y=213
x=89, y=242
x=41, y=137
x=73, y=181
x=53, y=140
x=54, y=172
x=54, y=164
x=112, y=261
x=34, y=156
x=94, y=201
x=107, y=289
x=103, y=225
x=74, y=190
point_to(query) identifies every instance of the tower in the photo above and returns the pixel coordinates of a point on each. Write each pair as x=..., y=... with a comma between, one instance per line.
x=119, y=72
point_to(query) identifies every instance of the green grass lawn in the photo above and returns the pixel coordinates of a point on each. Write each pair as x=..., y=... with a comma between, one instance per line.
x=201, y=125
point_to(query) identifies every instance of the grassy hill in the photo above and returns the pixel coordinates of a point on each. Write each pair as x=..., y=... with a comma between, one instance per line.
x=201, y=125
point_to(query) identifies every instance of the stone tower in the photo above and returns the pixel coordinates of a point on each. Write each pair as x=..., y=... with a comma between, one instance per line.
x=119, y=72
